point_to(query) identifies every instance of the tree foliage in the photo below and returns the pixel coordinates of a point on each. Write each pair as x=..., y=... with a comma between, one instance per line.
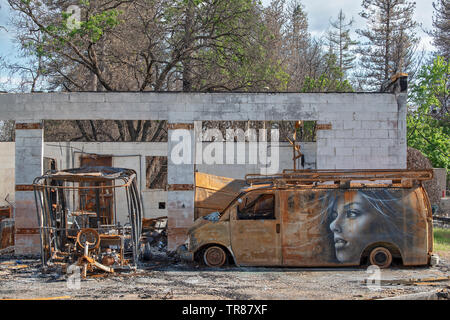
x=441, y=25
x=429, y=121
x=390, y=40
x=341, y=44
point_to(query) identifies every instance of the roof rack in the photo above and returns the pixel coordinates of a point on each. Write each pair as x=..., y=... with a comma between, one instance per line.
x=340, y=176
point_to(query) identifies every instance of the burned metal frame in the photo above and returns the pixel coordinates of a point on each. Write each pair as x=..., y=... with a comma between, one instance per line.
x=342, y=177
x=51, y=197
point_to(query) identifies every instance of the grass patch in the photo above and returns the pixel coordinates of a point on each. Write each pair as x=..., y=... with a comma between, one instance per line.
x=441, y=239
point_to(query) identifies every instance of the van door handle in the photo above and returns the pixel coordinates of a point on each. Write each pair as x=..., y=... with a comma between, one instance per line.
x=278, y=228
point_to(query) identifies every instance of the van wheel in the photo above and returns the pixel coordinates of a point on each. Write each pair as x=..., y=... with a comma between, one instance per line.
x=214, y=256
x=380, y=257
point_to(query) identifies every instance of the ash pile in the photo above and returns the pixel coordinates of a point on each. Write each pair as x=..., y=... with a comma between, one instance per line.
x=154, y=240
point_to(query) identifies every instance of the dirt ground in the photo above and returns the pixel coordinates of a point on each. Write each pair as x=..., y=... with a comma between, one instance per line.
x=23, y=279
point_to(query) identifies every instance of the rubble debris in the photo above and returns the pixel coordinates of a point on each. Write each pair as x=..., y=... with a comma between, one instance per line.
x=434, y=260
x=45, y=298
x=8, y=250
x=417, y=161
x=411, y=281
x=154, y=239
x=433, y=295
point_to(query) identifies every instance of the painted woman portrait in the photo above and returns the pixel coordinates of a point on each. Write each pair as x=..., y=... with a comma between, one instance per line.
x=358, y=218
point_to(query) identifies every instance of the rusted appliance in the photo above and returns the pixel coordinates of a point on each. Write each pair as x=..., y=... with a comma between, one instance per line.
x=312, y=218
x=78, y=218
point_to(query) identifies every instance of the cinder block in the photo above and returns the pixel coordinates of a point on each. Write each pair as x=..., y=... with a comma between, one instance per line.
x=387, y=116
x=369, y=124
x=327, y=134
x=124, y=97
x=344, y=162
x=354, y=124
x=379, y=134
x=326, y=151
x=393, y=134
x=177, y=107
x=335, y=124
x=180, y=200
x=87, y=97
x=372, y=116
x=326, y=163
x=175, y=117
x=344, y=151
x=343, y=134
x=379, y=151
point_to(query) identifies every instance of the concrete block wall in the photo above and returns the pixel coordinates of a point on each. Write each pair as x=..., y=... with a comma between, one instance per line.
x=238, y=171
x=369, y=134
x=29, y=146
x=180, y=180
x=7, y=169
x=367, y=130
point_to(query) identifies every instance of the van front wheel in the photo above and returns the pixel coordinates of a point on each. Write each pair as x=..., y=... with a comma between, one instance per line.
x=380, y=257
x=214, y=256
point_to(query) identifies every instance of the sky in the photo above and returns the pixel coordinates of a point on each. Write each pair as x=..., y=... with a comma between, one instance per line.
x=319, y=13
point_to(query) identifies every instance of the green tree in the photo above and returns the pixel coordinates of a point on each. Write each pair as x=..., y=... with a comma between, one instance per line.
x=429, y=122
x=329, y=80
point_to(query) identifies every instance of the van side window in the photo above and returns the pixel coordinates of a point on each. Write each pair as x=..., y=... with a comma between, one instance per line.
x=263, y=207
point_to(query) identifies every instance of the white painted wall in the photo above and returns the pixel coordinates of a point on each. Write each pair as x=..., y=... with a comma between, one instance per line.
x=238, y=171
x=130, y=155
x=7, y=169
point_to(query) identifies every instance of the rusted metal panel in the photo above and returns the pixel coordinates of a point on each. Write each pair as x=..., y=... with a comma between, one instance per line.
x=214, y=200
x=6, y=233
x=176, y=126
x=180, y=187
x=27, y=230
x=335, y=227
x=203, y=234
x=28, y=126
x=104, y=195
x=217, y=183
x=256, y=242
x=24, y=187
x=214, y=193
x=303, y=241
x=323, y=126
x=5, y=212
x=299, y=176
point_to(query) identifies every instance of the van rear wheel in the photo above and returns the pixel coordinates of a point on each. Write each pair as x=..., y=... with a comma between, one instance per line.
x=380, y=257
x=214, y=256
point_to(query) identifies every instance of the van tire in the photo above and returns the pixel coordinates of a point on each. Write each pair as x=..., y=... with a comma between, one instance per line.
x=214, y=256
x=380, y=257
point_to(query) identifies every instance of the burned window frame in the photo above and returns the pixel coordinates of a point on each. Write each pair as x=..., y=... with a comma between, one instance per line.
x=243, y=215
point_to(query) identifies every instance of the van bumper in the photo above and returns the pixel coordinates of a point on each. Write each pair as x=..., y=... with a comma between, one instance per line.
x=184, y=254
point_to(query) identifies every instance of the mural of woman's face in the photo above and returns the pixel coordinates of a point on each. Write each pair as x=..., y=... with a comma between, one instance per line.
x=351, y=225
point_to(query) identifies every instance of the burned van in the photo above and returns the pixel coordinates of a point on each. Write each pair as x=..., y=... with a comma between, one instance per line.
x=316, y=218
